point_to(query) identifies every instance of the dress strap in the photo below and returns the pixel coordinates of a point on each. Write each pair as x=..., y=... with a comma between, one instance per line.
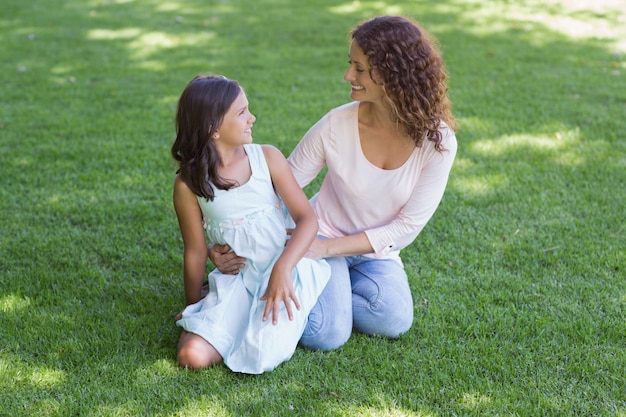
x=258, y=163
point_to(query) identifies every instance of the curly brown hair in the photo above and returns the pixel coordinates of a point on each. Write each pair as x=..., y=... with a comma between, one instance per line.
x=405, y=59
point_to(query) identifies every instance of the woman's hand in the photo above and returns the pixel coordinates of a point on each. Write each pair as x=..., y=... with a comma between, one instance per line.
x=350, y=245
x=279, y=289
x=317, y=249
x=226, y=261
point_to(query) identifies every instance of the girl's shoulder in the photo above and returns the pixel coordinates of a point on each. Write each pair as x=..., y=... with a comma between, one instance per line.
x=264, y=156
x=271, y=153
x=261, y=149
x=256, y=155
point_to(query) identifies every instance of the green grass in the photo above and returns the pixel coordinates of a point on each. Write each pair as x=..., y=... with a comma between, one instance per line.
x=518, y=281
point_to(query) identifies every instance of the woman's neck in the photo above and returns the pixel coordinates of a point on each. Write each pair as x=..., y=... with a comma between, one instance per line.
x=378, y=116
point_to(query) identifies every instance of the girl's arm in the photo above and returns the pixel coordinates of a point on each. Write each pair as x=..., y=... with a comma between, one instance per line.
x=195, y=252
x=280, y=286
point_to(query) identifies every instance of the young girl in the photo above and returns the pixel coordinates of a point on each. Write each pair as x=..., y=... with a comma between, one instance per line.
x=229, y=187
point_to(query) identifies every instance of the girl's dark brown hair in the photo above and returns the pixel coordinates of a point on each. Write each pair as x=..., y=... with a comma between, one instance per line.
x=201, y=110
x=406, y=61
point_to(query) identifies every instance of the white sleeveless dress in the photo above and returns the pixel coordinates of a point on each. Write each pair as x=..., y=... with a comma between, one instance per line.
x=252, y=220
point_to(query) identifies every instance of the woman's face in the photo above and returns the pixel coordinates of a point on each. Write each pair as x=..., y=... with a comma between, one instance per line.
x=358, y=75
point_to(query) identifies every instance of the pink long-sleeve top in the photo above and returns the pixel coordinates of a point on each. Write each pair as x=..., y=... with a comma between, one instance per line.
x=390, y=206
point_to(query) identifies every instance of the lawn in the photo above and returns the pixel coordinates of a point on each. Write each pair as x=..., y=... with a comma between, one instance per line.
x=519, y=280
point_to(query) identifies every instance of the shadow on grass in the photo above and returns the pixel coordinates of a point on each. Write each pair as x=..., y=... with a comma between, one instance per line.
x=90, y=266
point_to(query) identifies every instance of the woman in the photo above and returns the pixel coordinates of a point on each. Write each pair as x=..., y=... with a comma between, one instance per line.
x=389, y=154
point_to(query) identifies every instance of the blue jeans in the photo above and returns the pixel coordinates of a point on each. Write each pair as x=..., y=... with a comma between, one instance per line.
x=370, y=295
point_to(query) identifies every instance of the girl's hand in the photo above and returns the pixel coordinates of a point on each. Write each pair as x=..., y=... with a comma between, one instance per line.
x=279, y=289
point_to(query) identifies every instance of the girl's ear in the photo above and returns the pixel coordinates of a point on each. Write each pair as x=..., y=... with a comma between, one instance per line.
x=215, y=134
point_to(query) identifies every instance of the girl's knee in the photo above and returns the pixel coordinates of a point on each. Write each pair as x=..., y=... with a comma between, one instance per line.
x=196, y=353
x=187, y=359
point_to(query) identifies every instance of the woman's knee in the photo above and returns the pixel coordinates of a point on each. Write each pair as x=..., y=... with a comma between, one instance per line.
x=329, y=325
x=328, y=334
x=382, y=300
x=385, y=319
x=400, y=323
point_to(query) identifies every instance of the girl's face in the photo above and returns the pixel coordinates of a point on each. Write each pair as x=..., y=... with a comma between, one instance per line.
x=236, y=128
x=358, y=74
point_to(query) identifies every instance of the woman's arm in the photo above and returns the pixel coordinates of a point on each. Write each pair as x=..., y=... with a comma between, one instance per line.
x=424, y=200
x=351, y=245
x=280, y=287
x=308, y=158
x=195, y=251
x=402, y=224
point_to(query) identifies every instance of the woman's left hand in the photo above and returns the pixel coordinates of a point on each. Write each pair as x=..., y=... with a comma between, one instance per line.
x=317, y=249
